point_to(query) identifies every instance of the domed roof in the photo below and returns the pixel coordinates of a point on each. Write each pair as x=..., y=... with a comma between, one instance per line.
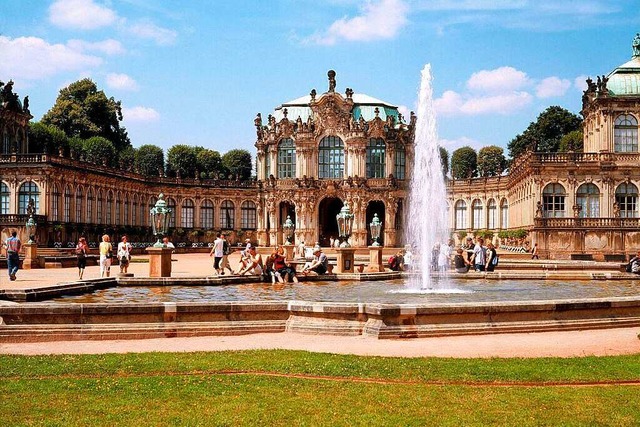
x=625, y=80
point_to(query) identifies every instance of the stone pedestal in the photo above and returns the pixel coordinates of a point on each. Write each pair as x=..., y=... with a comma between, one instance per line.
x=344, y=264
x=288, y=249
x=30, y=256
x=375, y=260
x=159, y=262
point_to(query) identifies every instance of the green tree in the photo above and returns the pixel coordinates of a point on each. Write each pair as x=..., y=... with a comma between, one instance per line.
x=464, y=163
x=127, y=159
x=99, y=151
x=491, y=161
x=238, y=163
x=45, y=138
x=76, y=147
x=181, y=161
x=84, y=111
x=444, y=160
x=209, y=162
x=149, y=160
x=573, y=141
x=546, y=132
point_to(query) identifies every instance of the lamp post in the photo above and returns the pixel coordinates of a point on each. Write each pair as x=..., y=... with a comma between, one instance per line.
x=160, y=214
x=375, y=227
x=345, y=225
x=31, y=247
x=288, y=228
x=30, y=227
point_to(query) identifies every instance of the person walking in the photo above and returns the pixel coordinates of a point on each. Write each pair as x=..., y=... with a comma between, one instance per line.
x=479, y=257
x=226, y=250
x=106, y=253
x=124, y=255
x=217, y=252
x=534, y=252
x=82, y=249
x=13, y=246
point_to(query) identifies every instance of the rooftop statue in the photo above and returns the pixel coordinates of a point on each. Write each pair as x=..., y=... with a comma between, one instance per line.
x=636, y=45
x=332, y=80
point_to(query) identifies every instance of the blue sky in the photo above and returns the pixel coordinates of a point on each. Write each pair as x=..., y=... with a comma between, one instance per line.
x=197, y=72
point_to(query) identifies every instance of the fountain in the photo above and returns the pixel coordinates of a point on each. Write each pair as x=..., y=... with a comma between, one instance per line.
x=427, y=191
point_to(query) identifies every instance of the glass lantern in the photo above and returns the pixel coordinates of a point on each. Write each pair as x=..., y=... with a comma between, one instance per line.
x=288, y=228
x=375, y=227
x=345, y=225
x=160, y=219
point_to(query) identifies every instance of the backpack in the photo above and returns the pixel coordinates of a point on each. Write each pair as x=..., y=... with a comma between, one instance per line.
x=494, y=260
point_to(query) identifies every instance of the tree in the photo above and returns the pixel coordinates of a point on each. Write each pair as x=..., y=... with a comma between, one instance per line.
x=99, y=151
x=573, y=141
x=76, y=147
x=238, y=163
x=127, y=159
x=491, y=161
x=84, y=111
x=46, y=138
x=545, y=133
x=149, y=160
x=181, y=161
x=209, y=162
x=444, y=160
x=464, y=163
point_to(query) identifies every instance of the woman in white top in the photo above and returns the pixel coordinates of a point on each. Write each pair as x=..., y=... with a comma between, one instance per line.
x=124, y=254
x=106, y=252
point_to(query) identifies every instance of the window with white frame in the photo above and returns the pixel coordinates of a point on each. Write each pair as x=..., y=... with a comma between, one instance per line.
x=553, y=199
x=227, y=213
x=627, y=200
x=248, y=215
x=186, y=213
x=331, y=158
x=5, y=197
x=206, y=214
x=286, y=159
x=477, y=217
x=461, y=215
x=625, y=134
x=492, y=214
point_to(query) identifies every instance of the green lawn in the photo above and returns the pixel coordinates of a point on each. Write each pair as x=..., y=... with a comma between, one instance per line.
x=231, y=388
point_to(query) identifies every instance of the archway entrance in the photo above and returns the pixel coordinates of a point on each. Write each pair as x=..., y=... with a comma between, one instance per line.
x=376, y=207
x=285, y=209
x=327, y=224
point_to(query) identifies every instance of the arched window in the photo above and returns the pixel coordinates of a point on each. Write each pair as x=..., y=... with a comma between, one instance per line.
x=331, y=158
x=376, y=150
x=627, y=200
x=227, y=212
x=66, y=207
x=286, y=159
x=553, y=197
x=171, y=204
x=625, y=134
x=5, y=197
x=248, y=215
x=89, y=218
x=478, y=215
x=99, y=208
x=186, y=213
x=492, y=214
x=206, y=214
x=588, y=198
x=55, y=203
x=461, y=215
x=125, y=218
x=28, y=191
x=109, y=208
x=118, y=203
x=401, y=161
x=134, y=210
x=79, y=204
x=504, y=214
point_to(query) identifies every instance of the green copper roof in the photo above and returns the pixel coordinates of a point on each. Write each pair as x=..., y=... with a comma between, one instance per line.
x=625, y=80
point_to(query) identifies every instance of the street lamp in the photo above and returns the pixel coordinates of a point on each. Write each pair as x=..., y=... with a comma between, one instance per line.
x=160, y=219
x=30, y=226
x=288, y=228
x=375, y=227
x=345, y=225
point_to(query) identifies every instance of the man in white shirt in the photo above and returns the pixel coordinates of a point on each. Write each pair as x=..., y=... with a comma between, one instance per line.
x=479, y=255
x=217, y=252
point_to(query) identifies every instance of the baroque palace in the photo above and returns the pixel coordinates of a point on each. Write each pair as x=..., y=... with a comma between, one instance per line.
x=317, y=152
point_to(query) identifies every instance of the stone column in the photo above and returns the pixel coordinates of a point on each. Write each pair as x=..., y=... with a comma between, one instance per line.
x=159, y=262
x=375, y=260
x=30, y=256
x=344, y=263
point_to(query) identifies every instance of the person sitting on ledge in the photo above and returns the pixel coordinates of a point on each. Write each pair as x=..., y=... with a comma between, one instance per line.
x=281, y=266
x=254, y=263
x=167, y=244
x=634, y=263
x=319, y=265
x=461, y=264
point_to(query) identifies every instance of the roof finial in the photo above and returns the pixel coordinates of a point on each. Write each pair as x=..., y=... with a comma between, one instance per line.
x=332, y=80
x=636, y=46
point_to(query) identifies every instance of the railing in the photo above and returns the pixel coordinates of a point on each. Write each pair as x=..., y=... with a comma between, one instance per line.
x=604, y=223
x=24, y=158
x=20, y=219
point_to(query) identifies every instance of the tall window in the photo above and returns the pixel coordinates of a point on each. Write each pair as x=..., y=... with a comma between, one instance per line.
x=504, y=214
x=5, y=196
x=286, y=159
x=28, y=191
x=99, y=208
x=227, y=211
x=401, y=161
x=134, y=210
x=118, y=203
x=206, y=214
x=109, y=208
x=126, y=219
x=267, y=163
x=186, y=217
x=461, y=215
x=553, y=197
x=492, y=214
x=248, y=215
x=171, y=204
x=627, y=199
x=55, y=203
x=376, y=150
x=478, y=215
x=89, y=205
x=588, y=197
x=79, y=204
x=625, y=134
x=66, y=215
x=331, y=158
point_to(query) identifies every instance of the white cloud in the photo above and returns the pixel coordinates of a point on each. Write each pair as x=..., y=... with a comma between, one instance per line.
x=500, y=104
x=149, y=30
x=80, y=14
x=377, y=21
x=453, y=144
x=140, y=114
x=405, y=111
x=33, y=58
x=552, y=86
x=580, y=82
x=121, y=82
x=500, y=80
x=449, y=104
x=108, y=47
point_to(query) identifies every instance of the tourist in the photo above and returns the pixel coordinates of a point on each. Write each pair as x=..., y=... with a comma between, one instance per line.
x=13, y=246
x=166, y=243
x=336, y=243
x=82, y=249
x=269, y=273
x=435, y=255
x=301, y=249
x=468, y=246
x=444, y=258
x=396, y=262
x=319, y=265
x=254, y=265
x=282, y=267
x=461, y=264
x=478, y=259
x=492, y=257
x=106, y=253
x=408, y=258
x=634, y=264
x=226, y=250
x=245, y=257
x=124, y=254
x=534, y=252
x=217, y=251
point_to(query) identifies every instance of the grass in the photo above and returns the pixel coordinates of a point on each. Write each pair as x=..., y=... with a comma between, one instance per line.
x=207, y=389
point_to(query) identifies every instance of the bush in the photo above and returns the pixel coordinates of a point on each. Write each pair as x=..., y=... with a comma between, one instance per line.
x=99, y=150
